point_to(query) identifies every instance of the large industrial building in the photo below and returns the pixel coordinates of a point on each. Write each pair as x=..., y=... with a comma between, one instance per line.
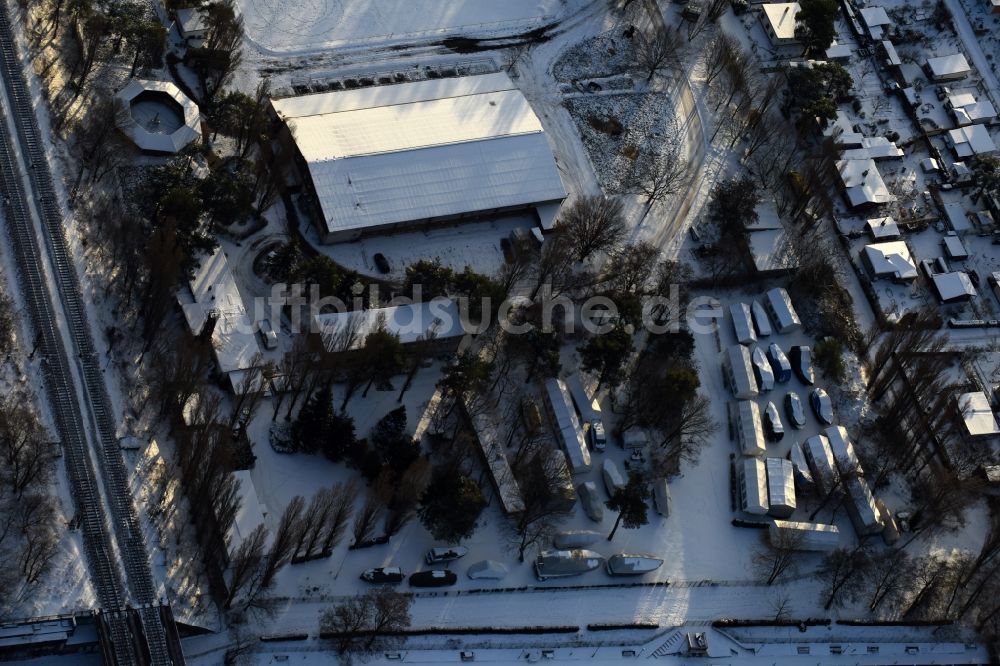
x=411, y=155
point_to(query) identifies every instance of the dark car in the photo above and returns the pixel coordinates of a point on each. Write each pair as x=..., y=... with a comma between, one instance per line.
x=445, y=554
x=383, y=575
x=773, y=427
x=433, y=578
x=802, y=364
x=381, y=263
x=793, y=408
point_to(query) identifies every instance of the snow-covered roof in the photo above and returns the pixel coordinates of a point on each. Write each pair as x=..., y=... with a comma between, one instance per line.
x=212, y=291
x=863, y=182
x=436, y=319
x=779, y=305
x=250, y=513
x=968, y=110
x=874, y=147
x=741, y=378
x=152, y=141
x=955, y=247
x=883, y=228
x=953, y=286
x=817, y=452
x=977, y=414
x=808, y=536
x=862, y=508
x=780, y=484
x=971, y=140
x=891, y=259
x=742, y=323
x=875, y=19
x=929, y=165
x=567, y=425
x=753, y=489
x=392, y=154
x=751, y=433
x=891, y=55
x=508, y=490
x=191, y=20
x=843, y=449
x=948, y=66
x=781, y=17
x=838, y=51
x=958, y=218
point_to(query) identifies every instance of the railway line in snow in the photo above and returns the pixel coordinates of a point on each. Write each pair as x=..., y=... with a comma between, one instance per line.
x=76, y=391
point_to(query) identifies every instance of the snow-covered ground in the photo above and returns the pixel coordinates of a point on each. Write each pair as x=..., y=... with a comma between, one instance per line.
x=313, y=25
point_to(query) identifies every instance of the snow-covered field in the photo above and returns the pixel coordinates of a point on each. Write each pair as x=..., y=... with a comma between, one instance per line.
x=312, y=25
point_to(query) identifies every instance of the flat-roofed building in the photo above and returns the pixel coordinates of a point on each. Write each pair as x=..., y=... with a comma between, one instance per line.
x=393, y=157
x=778, y=19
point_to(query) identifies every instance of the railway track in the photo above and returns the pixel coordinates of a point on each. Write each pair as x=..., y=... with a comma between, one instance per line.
x=114, y=590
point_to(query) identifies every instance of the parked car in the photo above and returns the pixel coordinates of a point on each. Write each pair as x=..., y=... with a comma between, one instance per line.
x=793, y=408
x=762, y=370
x=779, y=363
x=773, y=427
x=433, y=578
x=598, y=438
x=822, y=406
x=436, y=555
x=267, y=334
x=383, y=575
x=381, y=263
x=802, y=364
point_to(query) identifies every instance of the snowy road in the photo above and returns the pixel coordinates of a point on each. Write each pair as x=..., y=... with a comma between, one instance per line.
x=971, y=43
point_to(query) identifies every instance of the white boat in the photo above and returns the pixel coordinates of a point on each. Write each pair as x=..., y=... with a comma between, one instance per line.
x=575, y=539
x=624, y=564
x=562, y=563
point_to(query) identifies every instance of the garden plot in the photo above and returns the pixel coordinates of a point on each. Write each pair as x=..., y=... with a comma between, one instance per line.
x=312, y=25
x=619, y=128
x=598, y=57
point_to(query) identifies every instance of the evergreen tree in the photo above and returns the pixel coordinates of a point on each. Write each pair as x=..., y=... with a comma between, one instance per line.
x=630, y=503
x=451, y=505
x=394, y=445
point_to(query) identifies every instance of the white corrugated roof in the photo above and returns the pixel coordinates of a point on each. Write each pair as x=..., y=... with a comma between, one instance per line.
x=435, y=319
x=389, y=154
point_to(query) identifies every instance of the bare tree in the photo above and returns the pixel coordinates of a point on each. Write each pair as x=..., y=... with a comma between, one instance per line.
x=285, y=538
x=593, y=224
x=367, y=623
x=246, y=565
x=656, y=176
x=842, y=571
x=367, y=519
x=887, y=576
x=656, y=52
x=778, y=556
x=336, y=523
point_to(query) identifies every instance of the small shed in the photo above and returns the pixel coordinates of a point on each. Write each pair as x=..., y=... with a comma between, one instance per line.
x=779, y=306
x=738, y=372
x=753, y=487
x=818, y=455
x=883, y=228
x=805, y=536
x=954, y=247
x=976, y=415
x=862, y=508
x=750, y=432
x=780, y=487
x=761, y=321
x=843, y=450
x=742, y=323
